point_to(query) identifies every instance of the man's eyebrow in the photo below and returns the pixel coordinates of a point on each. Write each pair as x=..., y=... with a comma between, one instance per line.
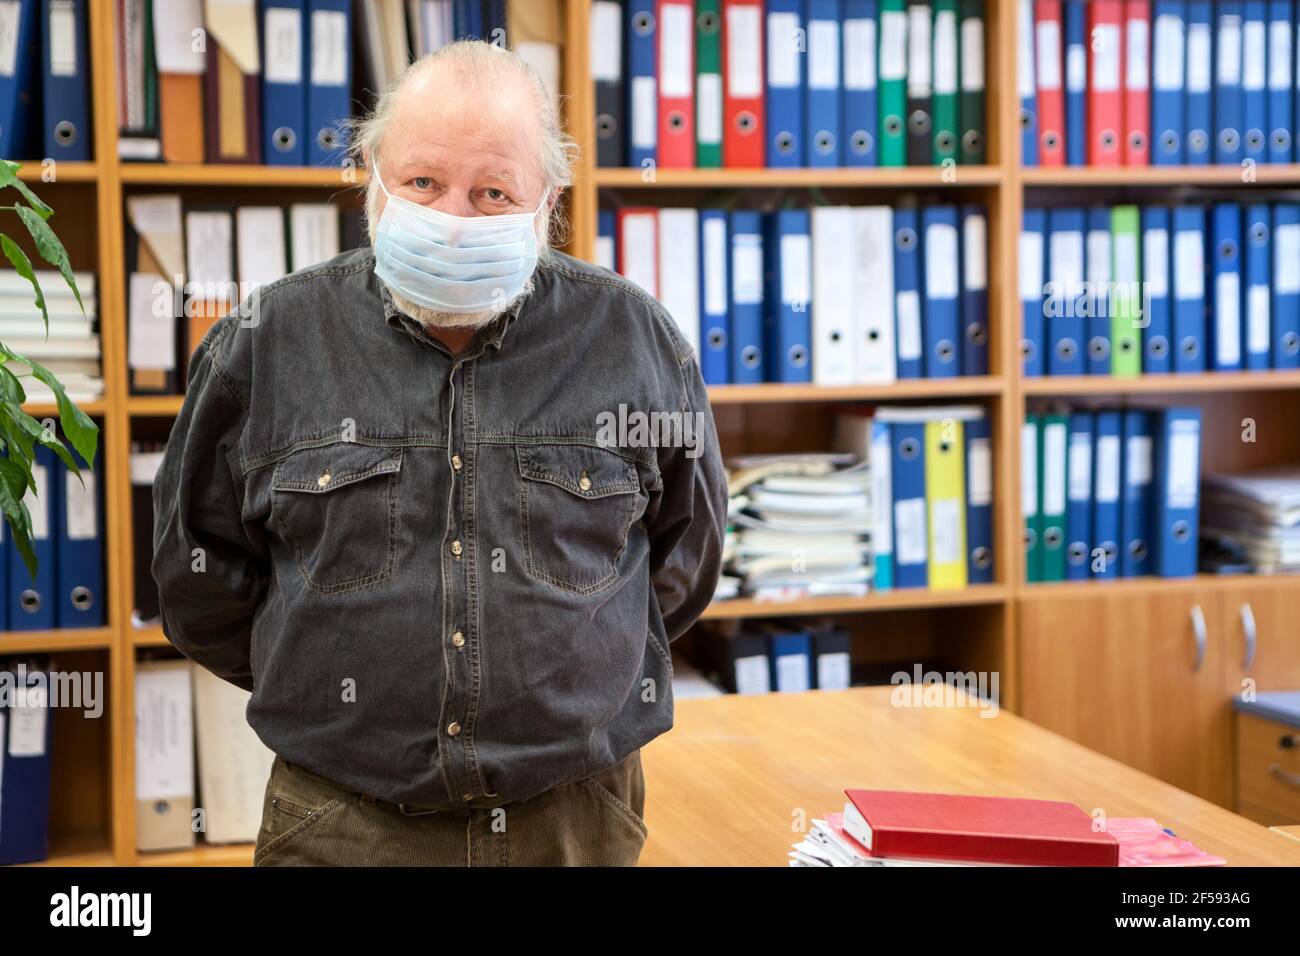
x=500, y=173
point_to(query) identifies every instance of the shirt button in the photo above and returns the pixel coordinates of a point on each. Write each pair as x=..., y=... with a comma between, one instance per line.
x=458, y=639
x=453, y=729
x=456, y=462
x=324, y=479
x=456, y=548
x=584, y=482
x=467, y=797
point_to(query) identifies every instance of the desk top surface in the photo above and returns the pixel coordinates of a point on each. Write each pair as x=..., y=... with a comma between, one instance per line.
x=728, y=785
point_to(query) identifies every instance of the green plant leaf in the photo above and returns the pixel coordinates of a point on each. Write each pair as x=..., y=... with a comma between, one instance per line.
x=37, y=431
x=77, y=426
x=50, y=248
x=11, y=389
x=23, y=266
x=9, y=177
x=13, y=479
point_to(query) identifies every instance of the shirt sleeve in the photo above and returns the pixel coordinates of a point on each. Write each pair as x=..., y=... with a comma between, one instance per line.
x=212, y=568
x=686, y=535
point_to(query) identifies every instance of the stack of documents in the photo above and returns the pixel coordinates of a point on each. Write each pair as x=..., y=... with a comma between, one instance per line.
x=782, y=656
x=1110, y=494
x=833, y=295
x=70, y=349
x=780, y=83
x=1185, y=288
x=802, y=525
x=909, y=829
x=1258, y=514
x=1112, y=83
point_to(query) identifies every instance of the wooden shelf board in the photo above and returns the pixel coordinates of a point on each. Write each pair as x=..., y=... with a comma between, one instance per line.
x=221, y=174
x=837, y=178
x=41, y=409
x=62, y=639
x=63, y=173
x=907, y=599
x=1228, y=175
x=1162, y=384
x=908, y=388
x=1056, y=590
x=149, y=637
x=232, y=854
x=77, y=848
x=143, y=406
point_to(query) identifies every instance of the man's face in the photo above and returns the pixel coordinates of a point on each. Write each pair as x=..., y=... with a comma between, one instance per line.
x=463, y=150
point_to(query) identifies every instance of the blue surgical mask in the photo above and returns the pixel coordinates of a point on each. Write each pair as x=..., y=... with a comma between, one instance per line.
x=454, y=263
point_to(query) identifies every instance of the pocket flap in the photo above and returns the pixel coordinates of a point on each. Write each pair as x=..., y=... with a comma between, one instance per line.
x=328, y=467
x=579, y=469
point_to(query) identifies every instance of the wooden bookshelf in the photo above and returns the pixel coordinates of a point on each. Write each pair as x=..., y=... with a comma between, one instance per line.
x=997, y=619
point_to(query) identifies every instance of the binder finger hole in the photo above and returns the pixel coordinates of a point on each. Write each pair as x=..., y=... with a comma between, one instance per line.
x=908, y=449
x=29, y=601
x=977, y=333
x=751, y=357
x=982, y=559
x=785, y=143
x=65, y=132
x=81, y=598
x=745, y=121
x=1182, y=531
x=284, y=139
x=860, y=142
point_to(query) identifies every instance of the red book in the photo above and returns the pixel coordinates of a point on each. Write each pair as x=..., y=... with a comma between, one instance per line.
x=742, y=72
x=1051, y=88
x=1137, y=83
x=1105, y=89
x=1007, y=830
x=675, y=65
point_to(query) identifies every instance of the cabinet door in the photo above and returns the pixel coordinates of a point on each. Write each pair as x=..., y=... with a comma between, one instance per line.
x=1261, y=624
x=1136, y=676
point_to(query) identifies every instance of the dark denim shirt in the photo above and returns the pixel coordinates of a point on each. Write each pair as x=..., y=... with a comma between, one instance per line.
x=441, y=582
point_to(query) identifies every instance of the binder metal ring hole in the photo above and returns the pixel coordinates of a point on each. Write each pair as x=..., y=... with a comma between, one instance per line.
x=327, y=139
x=1108, y=139
x=1126, y=345
x=708, y=22
x=945, y=446
x=1255, y=139
x=944, y=142
x=1170, y=142
x=1197, y=141
x=1027, y=349
x=65, y=132
x=1066, y=349
x=972, y=141
x=1137, y=140
x=1291, y=343
x=977, y=333
x=919, y=121
x=1259, y=235
x=1229, y=139
x=1158, y=347
x=1227, y=250
x=745, y=121
x=1051, y=141
x=605, y=126
x=717, y=338
x=908, y=449
x=751, y=357
x=1030, y=537
x=906, y=238
x=1053, y=537
x=643, y=23
x=860, y=142
x=1098, y=348
x=1138, y=550
x=798, y=356
x=1026, y=119
x=1077, y=553
x=981, y=558
x=285, y=139
x=1111, y=551
x=873, y=335
x=29, y=601
x=1182, y=531
x=677, y=120
x=1190, y=347
x=946, y=350
x=785, y=143
x=893, y=124
x=1281, y=139
x=824, y=143
x=81, y=598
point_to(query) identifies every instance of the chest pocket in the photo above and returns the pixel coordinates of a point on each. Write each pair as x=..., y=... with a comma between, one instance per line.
x=336, y=507
x=577, y=504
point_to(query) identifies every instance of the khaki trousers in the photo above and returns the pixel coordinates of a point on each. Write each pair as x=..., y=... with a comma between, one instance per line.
x=310, y=821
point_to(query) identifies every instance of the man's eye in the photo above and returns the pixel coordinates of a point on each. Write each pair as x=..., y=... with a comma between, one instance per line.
x=496, y=195
x=422, y=182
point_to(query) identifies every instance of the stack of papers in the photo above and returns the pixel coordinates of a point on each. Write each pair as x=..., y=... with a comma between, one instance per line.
x=799, y=525
x=1256, y=513
x=1142, y=842
x=70, y=350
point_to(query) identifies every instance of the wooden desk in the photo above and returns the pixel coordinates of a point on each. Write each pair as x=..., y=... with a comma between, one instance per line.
x=723, y=787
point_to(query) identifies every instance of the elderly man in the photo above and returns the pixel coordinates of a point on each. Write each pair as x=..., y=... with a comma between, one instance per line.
x=391, y=507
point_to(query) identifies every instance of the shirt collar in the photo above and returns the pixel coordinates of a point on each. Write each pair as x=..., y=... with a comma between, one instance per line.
x=491, y=334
